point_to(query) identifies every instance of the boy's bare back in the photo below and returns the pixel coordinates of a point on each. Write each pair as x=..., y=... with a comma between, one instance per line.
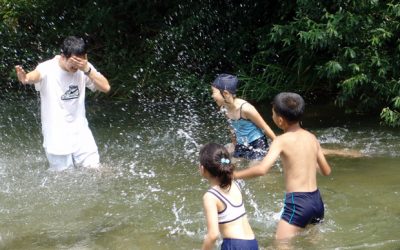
x=301, y=155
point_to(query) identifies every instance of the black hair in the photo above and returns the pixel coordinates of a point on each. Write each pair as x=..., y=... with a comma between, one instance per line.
x=216, y=160
x=289, y=105
x=226, y=82
x=73, y=45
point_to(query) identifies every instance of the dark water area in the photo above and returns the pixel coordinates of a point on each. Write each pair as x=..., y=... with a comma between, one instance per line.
x=148, y=193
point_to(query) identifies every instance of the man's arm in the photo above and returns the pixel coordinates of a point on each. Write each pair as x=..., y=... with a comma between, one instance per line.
x=98, y=79
x=264, y=166
x=27, y=78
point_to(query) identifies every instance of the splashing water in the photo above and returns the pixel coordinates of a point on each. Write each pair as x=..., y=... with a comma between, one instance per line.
x=148, y=193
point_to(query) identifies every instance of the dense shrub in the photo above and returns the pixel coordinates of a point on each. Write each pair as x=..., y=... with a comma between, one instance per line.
x=345, y=51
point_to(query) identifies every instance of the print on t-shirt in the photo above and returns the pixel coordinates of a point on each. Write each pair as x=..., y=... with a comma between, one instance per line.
x=71, y=93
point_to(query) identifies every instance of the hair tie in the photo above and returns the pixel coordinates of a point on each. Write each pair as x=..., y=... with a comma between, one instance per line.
x=225, y=161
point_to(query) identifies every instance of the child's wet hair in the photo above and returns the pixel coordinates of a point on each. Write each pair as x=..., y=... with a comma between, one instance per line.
x=289, y=105
x=73, y=45
x=216, y=160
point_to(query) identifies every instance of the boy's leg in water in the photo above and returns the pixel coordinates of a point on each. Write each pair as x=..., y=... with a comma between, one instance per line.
x=87, y=156
x=59, y=162
x=286, y=231
x=87, y=159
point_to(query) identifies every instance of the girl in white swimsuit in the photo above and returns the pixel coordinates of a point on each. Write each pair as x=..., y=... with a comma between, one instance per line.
x=223, y=203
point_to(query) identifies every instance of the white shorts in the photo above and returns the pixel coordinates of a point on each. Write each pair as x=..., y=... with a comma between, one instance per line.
x=76, y=159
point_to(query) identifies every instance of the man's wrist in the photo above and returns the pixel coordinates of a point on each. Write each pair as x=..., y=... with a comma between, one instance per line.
x=87, y=72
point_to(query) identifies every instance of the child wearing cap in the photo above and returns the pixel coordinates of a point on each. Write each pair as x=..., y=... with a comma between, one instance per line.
x=247, y=126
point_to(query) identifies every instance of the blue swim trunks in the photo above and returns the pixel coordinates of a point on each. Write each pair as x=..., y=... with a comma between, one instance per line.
x=239, y=244
x=303, y=208
x=255, y=150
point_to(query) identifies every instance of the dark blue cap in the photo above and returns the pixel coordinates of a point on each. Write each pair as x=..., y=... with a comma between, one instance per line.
x=226, y=82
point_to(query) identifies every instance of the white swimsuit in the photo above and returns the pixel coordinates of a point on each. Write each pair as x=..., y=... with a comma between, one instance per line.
x=231, y=212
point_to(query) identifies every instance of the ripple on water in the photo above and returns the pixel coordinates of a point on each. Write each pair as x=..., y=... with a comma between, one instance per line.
x=149, y=191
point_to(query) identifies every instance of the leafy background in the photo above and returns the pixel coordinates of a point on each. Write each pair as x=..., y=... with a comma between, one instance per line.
x=340, y=51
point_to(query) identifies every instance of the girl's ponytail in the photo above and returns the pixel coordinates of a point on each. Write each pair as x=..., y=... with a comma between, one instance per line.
x=216, y=160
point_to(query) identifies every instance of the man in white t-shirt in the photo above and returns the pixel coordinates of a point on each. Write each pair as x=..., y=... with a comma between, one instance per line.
x=62, y=82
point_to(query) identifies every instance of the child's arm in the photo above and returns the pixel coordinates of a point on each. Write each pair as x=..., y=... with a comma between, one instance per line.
x=264, y=166
x=342, y=152
x=252, y=114
x=211, y=213
x=323, y=165
x=232, y=135
x=27, y=78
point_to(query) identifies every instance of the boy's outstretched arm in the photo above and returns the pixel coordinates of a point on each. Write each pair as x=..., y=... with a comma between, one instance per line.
x=264, y=166
x=342, y=152
x=323, y=165
x=27, y=78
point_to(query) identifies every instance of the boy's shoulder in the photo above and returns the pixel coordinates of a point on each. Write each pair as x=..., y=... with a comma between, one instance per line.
x=48, y=64
x=296, y=135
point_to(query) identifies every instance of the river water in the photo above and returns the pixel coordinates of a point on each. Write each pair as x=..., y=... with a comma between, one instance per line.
x=148, y=193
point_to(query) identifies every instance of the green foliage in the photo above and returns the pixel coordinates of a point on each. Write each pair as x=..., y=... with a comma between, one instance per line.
x=344, y=51
x=31, y=31
x=391, y=117
x=203, y=38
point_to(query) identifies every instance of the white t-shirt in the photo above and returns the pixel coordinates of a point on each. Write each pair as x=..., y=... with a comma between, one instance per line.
x=64, y=125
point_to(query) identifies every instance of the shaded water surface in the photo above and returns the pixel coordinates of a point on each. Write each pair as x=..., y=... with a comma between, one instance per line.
x=148, y=193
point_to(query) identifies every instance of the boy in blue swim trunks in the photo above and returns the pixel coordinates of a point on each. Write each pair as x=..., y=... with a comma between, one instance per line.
x=301, y=156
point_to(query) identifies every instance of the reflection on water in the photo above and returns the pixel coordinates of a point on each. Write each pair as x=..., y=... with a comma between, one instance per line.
x=148, y=193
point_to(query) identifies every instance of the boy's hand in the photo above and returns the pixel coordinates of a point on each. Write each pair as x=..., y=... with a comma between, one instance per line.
x=21, y=74
x=80, y=63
